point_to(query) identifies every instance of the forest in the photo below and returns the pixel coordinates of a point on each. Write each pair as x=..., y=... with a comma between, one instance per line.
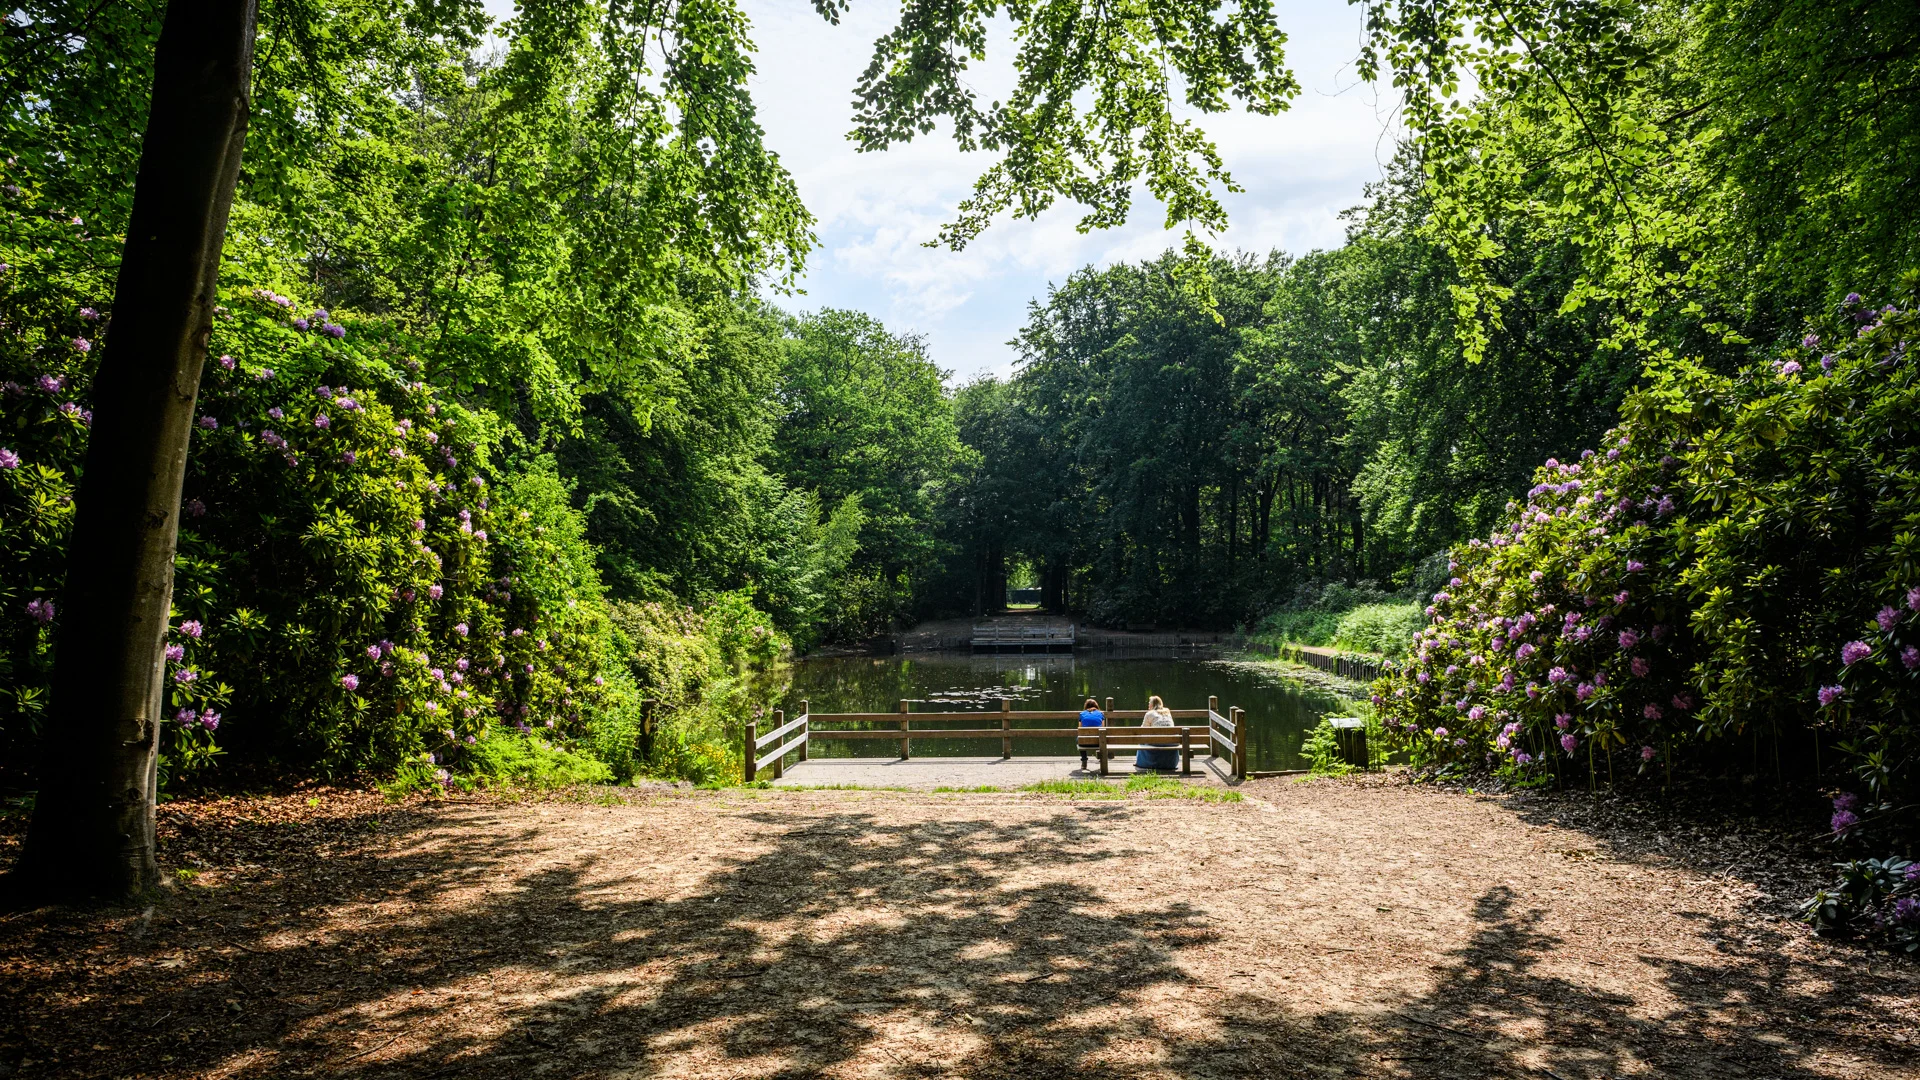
x=502, y=432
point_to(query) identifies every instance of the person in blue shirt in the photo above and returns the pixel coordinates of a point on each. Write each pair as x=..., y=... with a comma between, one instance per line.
x=1091, y=716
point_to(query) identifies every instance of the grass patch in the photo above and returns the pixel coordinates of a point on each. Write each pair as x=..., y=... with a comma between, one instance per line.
x=1166, y=787
x=844, y=787
x=1152, y=782
x=1205, y=794
x=981, y=789
x=1091, y=789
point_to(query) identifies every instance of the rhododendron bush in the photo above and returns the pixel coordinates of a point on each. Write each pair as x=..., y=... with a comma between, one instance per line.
x=371, y=575
x=1734, y=571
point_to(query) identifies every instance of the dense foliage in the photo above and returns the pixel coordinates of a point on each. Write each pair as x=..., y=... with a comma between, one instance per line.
x=1160, y=461
x=1736, y=568
x=380, y=569
x=525, y=369
x=502, y=438
x=1718, y=172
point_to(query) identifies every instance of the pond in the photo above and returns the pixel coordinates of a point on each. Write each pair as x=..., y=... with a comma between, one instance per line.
x=1280, y=711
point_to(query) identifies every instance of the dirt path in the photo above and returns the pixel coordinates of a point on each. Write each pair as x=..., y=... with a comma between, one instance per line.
x=1324, y=929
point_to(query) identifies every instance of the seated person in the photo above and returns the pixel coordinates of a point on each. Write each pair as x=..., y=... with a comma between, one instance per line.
x=1091, y=716
x=1160, y=758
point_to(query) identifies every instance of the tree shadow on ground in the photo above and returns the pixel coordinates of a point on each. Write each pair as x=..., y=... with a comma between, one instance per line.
x=838, y=943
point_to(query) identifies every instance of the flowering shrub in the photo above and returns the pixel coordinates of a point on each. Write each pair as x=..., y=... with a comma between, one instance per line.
x=49, y=278
x=1871, y=897
x=364, y=580
x=1738, y=557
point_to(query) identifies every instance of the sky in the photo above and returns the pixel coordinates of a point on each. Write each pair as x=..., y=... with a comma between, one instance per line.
x=1299, y=169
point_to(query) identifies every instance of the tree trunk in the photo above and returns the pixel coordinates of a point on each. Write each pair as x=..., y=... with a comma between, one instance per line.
x=93, y=825
x=1263, y=532
x=996, y=579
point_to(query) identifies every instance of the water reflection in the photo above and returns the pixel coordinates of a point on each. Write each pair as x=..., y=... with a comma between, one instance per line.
x=1280, y=712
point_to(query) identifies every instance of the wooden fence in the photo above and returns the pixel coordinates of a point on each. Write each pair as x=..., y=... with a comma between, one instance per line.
x=1357, y=668
x=788, y=736
x=1023, y=639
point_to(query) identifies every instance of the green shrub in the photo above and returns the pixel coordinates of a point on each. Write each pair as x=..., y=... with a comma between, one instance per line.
x=667, y=649
x=743, y=635
x=1379, y=628
x=1321, y=747
x=366, y=573
x=508, y=757
x=1361, y=617
x=1740, y=558
x=1871, y=897
x=1301, y=627
x=701, y=666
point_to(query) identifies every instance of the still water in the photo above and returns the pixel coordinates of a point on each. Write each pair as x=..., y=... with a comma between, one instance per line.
x=1280, y=712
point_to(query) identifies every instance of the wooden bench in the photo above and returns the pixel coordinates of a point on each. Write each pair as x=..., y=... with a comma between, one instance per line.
x=1106, y=741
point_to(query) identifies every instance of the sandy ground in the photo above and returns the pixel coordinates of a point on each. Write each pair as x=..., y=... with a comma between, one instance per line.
x=1316, y=929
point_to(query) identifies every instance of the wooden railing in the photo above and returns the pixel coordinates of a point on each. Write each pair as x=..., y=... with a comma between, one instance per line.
x=782, y=727
x=1023, y=638
x=1357, y=668
x=1216, y=732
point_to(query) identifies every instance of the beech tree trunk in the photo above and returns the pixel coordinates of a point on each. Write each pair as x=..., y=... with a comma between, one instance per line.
x=92, y=834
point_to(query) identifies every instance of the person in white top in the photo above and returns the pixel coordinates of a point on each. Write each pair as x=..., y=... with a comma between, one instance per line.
x=1163, y=759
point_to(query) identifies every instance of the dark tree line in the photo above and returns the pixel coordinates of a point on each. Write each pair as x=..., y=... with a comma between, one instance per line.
x=1156, y=461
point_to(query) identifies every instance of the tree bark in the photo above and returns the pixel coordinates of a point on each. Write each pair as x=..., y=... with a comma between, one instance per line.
x=92, y=834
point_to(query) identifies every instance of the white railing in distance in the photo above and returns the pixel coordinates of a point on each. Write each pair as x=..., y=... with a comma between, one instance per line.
x=771, y=736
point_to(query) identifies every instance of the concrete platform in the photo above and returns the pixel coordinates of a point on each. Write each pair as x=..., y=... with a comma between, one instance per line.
x=1008, y=773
